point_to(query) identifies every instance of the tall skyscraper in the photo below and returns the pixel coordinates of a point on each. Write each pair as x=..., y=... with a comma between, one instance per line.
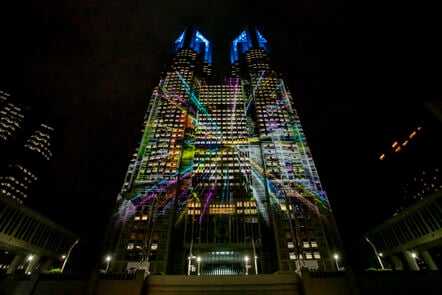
x=223, y=180
x=25, y=145
x=28, y=240
x=409, y=169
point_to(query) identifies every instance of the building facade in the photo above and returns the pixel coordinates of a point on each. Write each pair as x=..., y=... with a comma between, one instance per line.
x=412, y=239
x=223, y=181
x=28, y=240
x=26, y=147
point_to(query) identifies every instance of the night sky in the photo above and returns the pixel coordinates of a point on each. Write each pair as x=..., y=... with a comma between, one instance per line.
x=357, y=72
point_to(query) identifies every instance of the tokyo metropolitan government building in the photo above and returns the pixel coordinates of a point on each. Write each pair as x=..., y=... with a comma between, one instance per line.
x=223, y=181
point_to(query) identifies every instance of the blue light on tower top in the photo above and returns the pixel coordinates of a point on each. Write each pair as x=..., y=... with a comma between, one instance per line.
x=245, y=41
x=179, y=43
x=193, y=39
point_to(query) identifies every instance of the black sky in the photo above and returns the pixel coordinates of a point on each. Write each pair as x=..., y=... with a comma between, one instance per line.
x=356, y=70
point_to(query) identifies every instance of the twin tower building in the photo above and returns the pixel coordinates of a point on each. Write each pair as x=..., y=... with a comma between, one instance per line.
x=223, y=181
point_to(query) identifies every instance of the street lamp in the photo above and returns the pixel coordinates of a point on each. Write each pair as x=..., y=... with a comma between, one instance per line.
x=336, y=256
x=378, y=255
x=108, y=259
x=29, y=259
x=256, y=265
x=190, y=266
x=415, y=259
x=254, y=255
x=69, y=253
x=246, y=259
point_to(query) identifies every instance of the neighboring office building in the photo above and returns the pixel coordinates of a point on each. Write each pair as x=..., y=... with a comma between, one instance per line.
x=412, y=237
x=223, y=181
x=26, y=145
x=410, y=165
x=30, y=241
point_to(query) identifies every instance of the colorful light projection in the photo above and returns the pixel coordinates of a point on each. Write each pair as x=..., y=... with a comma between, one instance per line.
x=252, y=95
x=260, y=180
x=190, y=194
x=195, y=100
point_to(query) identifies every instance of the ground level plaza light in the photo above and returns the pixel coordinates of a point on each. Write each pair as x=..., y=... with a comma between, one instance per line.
x=336, y=256
x=190, y=266
x=256, y=265
x=246, y=259
x=378, y=256
x=108, y=259
x=67, y=255
x=199, y=264
x=254, y=253
x=29, y=259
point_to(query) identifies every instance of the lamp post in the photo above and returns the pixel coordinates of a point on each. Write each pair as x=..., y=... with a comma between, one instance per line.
x=190, y=266
x=29, y=259
x=246, y=259
x=415, y=260
x=69, y=253
x=255, y=257
x=336, y=256
x=378, y=256
x=108, y=259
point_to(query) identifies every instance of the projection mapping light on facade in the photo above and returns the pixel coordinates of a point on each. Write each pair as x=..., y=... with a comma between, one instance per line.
x=223, y=181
